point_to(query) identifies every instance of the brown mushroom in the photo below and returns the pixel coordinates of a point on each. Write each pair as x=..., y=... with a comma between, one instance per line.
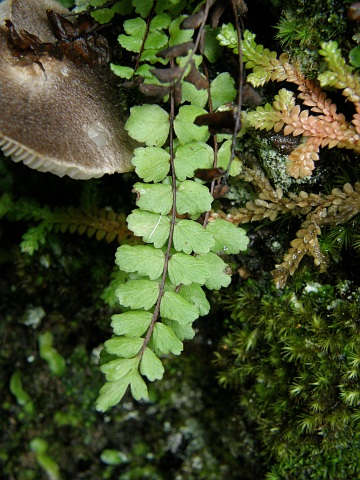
x=54, y=116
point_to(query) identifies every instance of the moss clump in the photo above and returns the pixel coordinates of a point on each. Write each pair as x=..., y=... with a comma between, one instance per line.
x=303, y=25
x=294, y=357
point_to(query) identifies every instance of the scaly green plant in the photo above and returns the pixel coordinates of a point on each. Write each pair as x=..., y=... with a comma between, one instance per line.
x=102, y=223
x=336, y=210
x=320, y=125
x=163, y=294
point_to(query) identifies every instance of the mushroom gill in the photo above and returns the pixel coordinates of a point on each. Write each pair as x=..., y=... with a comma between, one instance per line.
x=57, y=117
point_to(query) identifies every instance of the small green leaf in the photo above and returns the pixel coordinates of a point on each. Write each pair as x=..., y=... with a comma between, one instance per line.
x=22, y=397
x=157, y=198
x=194, y=96
x=354, y=56
x=108, y=294
x=191, y=156
x=160, y=22
x=183, y=332
x=185, y=128
x=148, y=124
x=175, y=307
x=112, y=393
x=144, y=71
x=212, y=50
x=178, y=35
x=154, y=228
x=228, y=37
x=223, y=159
x=229, y=238
x=222, y=90
x=121, y=71
x=124, y=347
x=135, y=29
x=152, y=164
x=122, y=7
x=113, y=457
x=151, y=366
x=39, y=446
x=149, y=55
x=135, y=26
x=142, y=7
x=104, y=15
x=156, y=40
x=219, y=278
x=138, y=386
x=187, y=269
x=119, y=368
x=165, y=341
x=34, y=237
x=190, y=236
x=196, y=295
x=56, y=362
x=175, y=7
x=258, y=77
x=131, y=324
x=193, y=198
x=138, y=294
x=183, y=61
x=143, y=259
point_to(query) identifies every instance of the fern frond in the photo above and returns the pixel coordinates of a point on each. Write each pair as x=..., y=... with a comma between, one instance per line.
x=103, y=223
x=325, y=127
x=35, y=237
x=340, y=75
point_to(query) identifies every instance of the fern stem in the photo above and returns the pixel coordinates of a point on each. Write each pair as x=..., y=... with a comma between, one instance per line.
x=210, y=104
x=208, y=4
x=172, y=226
x=144, y=39
x=240, y=81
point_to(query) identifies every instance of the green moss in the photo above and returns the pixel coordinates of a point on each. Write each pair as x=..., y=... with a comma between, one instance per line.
x=293, y=356
x=303, y=25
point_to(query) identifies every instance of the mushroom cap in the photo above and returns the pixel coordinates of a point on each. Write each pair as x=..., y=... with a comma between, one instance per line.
x=59, y=118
